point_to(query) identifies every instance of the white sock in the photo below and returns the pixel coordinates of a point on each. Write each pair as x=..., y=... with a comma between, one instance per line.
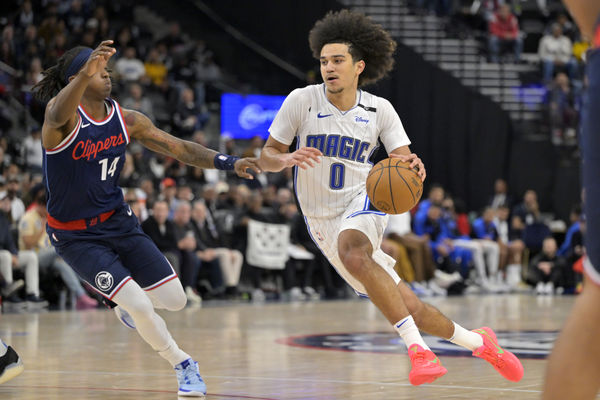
x=409, y=332
x=3, y=348
x=467, y=339
x=173, y=354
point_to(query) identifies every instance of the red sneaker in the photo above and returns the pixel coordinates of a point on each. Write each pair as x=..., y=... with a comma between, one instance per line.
x=502, y=360
x=426, y=367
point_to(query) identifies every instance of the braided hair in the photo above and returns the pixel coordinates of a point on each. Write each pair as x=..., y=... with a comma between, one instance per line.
x=366, y=41
x=54, y=77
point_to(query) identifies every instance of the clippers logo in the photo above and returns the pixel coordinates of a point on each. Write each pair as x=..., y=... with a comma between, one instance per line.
x=90, y=150
x=104, y=281
x=319, y=236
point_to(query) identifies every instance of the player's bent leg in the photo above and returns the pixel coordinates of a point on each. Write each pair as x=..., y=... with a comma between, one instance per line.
x=482, y=342
x=428, y=318
x=153, y=330
x=355, y=250
x=169, y=296
x=573, y=370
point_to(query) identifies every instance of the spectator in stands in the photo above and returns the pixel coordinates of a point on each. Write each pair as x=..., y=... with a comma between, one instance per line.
x=124, y=39
x=168, y=191
x=435, y=196
x=399, y=230
x=527, y=222
x=568, y=28
x=504, y=34
x=129, y=68
x=486, y=232
x=11, y=257
x=485, y=253
x=562, y=103
x=190, y=263
x=254, y=147
x=75, y=17
x=129, y=177
x=501, y=196
x=572, y=248
x=156, y=70
x=34, y=74
x=525, y=213
x=137, y=101
x=547, y=268
x=33, y=237
x=511, y=246
x=26, y=16
x=175, y=39
x=32, y=150
x=210, y=246
x=189, y=115
x=162, y=232
x=556, y=53
x=13, y=193
x=575, y=218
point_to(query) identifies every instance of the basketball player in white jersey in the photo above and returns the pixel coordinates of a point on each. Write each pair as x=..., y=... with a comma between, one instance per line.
x=337, y=126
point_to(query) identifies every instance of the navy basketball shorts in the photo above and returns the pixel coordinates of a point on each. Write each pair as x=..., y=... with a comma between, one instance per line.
x=109, y=254
x=590, y=143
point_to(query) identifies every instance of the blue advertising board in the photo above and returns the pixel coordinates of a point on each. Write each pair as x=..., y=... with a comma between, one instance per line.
x=246, y=116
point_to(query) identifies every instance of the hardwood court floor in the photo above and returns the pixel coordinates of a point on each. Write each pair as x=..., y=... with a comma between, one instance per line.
x=242, y=352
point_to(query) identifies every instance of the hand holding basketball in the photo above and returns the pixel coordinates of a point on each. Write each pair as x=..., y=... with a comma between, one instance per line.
x=415, y=163
x=393, y=186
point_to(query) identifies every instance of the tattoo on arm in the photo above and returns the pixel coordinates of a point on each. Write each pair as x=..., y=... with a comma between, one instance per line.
x=141, y=128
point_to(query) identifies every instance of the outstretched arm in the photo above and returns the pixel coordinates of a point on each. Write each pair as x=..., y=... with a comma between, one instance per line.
x=61, y=112
x=141, y=128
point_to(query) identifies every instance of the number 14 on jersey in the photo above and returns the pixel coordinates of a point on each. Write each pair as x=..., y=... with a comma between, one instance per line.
x=108, y=171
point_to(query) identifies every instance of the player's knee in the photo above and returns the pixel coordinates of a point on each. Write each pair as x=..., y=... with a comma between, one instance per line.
x=177, y=302
x=140, y=307
x=356, y=260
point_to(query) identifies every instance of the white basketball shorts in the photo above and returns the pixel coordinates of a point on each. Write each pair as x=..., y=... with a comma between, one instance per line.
x=325, y=232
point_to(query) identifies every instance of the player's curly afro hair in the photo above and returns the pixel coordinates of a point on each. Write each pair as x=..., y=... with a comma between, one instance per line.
x=367, y=41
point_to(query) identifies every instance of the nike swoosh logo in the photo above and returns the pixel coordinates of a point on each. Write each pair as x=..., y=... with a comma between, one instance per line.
x=129, y=212
x=482, y=332
x=85, y=125
x=323, y=116
x=434, y=361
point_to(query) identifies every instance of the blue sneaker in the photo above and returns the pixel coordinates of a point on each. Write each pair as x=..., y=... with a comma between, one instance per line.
x=190, y=381
x=124, y=317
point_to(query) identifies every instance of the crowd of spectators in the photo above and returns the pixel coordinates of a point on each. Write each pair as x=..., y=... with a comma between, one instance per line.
x=507, y=247
x=200, y=219
x=558, y=54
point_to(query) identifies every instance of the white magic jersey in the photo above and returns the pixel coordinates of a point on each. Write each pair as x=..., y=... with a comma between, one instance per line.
x=346, y=139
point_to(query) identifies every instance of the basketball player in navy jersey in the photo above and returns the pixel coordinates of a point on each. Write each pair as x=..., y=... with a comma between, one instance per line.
x=84, y=137
x=337, y=126
x=574, y=368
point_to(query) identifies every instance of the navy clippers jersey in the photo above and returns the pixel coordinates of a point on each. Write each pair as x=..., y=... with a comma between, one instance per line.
x=82, y=172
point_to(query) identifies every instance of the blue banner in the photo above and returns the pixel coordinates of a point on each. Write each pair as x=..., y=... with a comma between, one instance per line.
x=246, y=116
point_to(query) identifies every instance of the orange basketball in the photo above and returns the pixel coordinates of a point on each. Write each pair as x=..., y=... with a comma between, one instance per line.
x=393, y=187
